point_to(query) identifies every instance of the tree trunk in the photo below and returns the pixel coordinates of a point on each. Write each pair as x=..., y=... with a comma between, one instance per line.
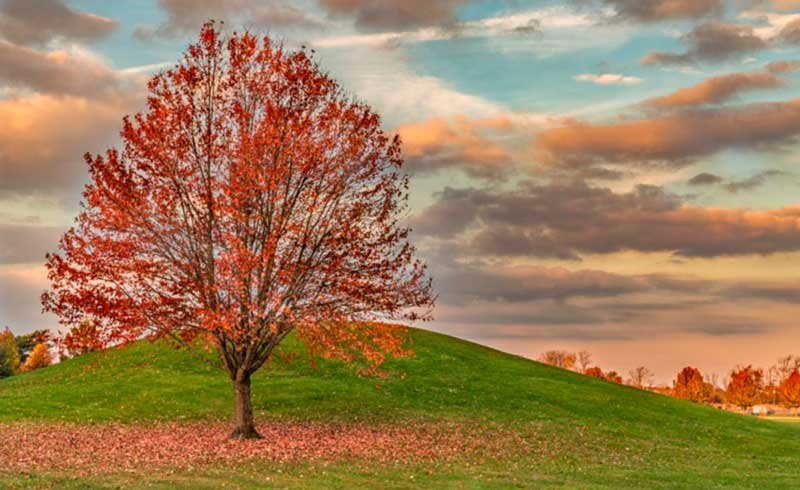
x=245, y=425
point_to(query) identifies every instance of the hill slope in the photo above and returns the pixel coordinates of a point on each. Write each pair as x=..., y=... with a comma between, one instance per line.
x=607, y=436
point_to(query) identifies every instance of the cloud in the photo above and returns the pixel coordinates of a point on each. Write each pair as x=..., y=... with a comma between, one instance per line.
x=715, y=90
x=43, y=139
x=27, y=243
x=608, y=79
x=20, y=289
x=565, y=220
x=791, y=33
x=37, y=23
x=464, y=283
x=514, y=24
x=780, y=292
x=474, y=146
x=783, y=66
x=712, y=41
x=659, y=10
x=704, y=179
x=753, y=182
x=62, y=72
x=187, y=16
x=395, y=14
x=786, y=4
x=673, y=140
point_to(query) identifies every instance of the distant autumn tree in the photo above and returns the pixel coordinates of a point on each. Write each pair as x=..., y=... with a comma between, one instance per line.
x=584, y=360
x=744, y=387
x=690, y=385
x=789, y=390
x=594, y=372
x=27, y=342
x=613, y=377
x=786, y=366
x=251, y=199
x=38, y=358
x=640, y=377
x=558, y=358
x=9, y=355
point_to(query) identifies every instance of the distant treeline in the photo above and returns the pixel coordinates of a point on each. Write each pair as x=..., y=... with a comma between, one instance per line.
x=744, y=387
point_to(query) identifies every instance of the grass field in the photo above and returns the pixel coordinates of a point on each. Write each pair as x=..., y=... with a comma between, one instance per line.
x=573, y=431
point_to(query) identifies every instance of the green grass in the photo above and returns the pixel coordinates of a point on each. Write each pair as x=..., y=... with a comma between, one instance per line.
x=608, y=436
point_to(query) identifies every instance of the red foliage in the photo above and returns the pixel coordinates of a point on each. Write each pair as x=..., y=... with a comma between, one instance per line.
x=613, y=377
x=251, y=199
x=744, y=388
x=689, y=385
x=789, y=390
x=81, y=339
x=595, y=372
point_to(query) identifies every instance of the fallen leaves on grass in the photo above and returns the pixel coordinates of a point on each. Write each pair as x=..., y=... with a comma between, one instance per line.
x=107, y=448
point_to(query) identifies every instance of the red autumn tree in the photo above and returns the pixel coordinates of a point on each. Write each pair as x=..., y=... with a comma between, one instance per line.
x=595, y=372
x=251, y=199
x=81, y=339
x=744, y=388
x=613, y=377
x=789, y=390
x=690, y=385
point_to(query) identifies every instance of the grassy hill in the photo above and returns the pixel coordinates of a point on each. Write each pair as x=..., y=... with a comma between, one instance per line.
x=600, y=435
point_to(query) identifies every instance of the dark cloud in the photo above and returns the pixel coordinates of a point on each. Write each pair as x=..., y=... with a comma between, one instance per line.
x=566, y=220
x=395, y=14
x=658, y=10
x=37, y=22
x=753, y=182
x=780, y=292
x=58, y=72
x=20, y=307
x=187, y=16
x=711, y=41
x=674, y=139
x=23, y=243
x=704, y=179
x=715, y=90
x=462, y=283
x=783, y=66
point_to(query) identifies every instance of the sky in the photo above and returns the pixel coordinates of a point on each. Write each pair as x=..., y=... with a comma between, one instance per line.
x=618, y=176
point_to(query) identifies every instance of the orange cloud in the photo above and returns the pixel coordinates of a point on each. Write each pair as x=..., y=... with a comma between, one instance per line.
x=715, y=90
x=673, y=139
x=436, y=144
x=786, y=4
x=43, y=138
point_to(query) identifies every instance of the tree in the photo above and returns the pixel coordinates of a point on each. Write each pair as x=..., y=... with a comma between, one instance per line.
x=558, y=358
x=251, y=199
x=786, y=366
x=744, y=387
x=26, y=343
x=613, y=377
x=789, y=390
x=584, y=360
x=595, y=372
x=9, y=355
x=690, y=385
x=81, y=339
x=641, y=377
x=38, y=358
